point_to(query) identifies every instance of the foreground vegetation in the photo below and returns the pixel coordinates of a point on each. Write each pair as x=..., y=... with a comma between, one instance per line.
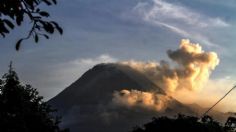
x=183, y=123
x=22, y=109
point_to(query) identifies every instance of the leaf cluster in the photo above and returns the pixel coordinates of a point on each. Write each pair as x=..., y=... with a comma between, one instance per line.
x=14, y=12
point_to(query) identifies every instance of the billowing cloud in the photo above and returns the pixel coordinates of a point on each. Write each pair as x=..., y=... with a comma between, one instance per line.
x=135, y=98
x=192, y=68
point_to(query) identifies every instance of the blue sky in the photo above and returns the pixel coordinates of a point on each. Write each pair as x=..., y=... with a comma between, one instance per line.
x=98, y=31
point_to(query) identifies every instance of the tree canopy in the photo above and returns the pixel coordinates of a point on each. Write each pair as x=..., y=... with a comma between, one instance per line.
x=14, y=12
x=22, y=109
x=184, y=123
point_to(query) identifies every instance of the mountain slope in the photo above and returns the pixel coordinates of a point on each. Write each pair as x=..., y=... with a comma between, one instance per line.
x=88, y=101
x=103, y=79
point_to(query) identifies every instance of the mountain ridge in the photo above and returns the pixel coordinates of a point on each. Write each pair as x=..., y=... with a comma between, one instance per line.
x=89, y=100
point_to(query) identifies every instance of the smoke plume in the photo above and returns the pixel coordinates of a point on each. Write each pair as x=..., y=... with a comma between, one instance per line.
x=135, y=98
x=193, y=68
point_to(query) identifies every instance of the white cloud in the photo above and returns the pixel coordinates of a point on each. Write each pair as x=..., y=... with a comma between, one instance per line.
x=104, y=58
x=166, y=12
x=179, y=19
x=73, y=69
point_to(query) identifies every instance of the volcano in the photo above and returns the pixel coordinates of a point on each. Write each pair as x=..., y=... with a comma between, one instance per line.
x=86, y=105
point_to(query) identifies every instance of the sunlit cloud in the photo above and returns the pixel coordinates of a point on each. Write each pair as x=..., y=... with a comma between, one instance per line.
x=136, y=98
x=193, y=68
x=183, y=80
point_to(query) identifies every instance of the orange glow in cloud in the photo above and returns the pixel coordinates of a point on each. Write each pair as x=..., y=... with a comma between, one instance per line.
x=193, y=68
x=191, y=71
x=135, y=98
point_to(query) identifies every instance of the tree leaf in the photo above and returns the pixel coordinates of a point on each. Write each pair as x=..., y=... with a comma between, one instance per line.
x=4, y=29
x=19, y=19
x=46, y=36
x=44, y=13
x=3, y=35
x=9, y=23
x=54, y=1
x=36, y=38
x=60, y=30
x=47, y=2
x=37, y=10
x=48, y=27
x=18, y=43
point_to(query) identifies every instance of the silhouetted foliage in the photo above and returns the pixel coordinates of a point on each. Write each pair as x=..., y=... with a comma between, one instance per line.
x=14, y=12
x=22, y=109
x=184, y=123
x=231, y=124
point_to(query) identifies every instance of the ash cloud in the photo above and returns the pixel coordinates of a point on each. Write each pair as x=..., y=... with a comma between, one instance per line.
x=192, y=68
x=136, y=98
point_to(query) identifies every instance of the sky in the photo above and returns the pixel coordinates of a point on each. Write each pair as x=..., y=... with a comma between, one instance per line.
x=97, y=31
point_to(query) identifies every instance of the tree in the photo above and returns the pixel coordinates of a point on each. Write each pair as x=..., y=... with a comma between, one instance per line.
x=187, y=124
x=22, y=109
x=14, y=12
